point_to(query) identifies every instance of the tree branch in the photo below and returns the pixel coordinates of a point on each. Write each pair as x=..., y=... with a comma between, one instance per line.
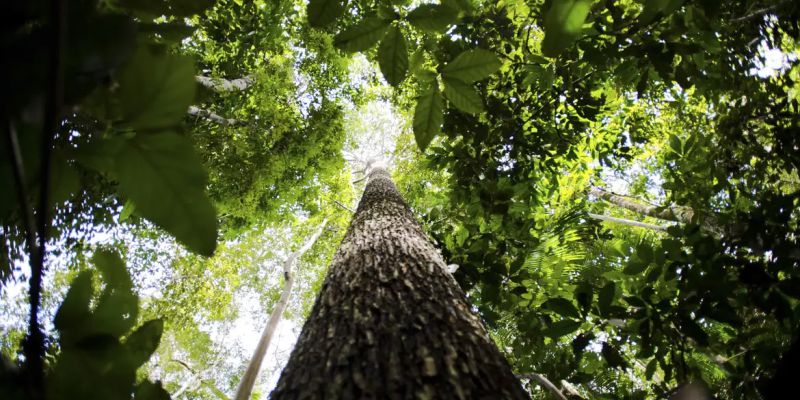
x=627, y=222
x=211, y=116
x=221, y=85
x=545, y=383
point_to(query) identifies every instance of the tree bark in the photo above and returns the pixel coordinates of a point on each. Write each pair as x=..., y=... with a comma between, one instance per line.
x=202, y=113
x=390, y=322
x=226, y=85
x=682, y=215
x=249, y=379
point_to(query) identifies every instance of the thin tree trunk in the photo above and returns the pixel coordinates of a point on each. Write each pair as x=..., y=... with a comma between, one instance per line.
x=226, y=85
x=245, y=388
x=202, y=113
x=390, y=322
x=627, y=222
x=541, y=380
x=682, y=215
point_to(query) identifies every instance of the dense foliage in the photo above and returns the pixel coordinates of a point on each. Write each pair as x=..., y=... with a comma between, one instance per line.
x=617, y=180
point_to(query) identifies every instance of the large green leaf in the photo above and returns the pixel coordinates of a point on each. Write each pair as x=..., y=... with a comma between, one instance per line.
x=563, y=24
x=561, y=328
x=428, y=115
x=323, y=12
x=143, y=342
x=393, y=56
x=155, y=89
x=562, y=307
x=432, y=17
x=164, y=177
x=362, y=36
x=472, y=65
x=74, y=310
x=463, y=96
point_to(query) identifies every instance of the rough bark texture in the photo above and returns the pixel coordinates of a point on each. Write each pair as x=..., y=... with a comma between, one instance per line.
x=390, y=322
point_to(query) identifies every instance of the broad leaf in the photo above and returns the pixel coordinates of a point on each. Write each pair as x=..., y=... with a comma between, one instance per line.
x=143, y=342
x=74, y=310
x=562, y=307
x=393, y=56
x=432, y=17
x=561, y=328
x=323, y=12
x=472, y=65
x=362, y=36
x=428, y=115
x=563, y=24
x=612, y=356
x=156, y=89
x=164, y=177
x=463, y=96
x=605, y=297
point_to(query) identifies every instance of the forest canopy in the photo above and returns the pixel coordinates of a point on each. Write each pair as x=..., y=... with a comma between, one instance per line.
x=614, y=185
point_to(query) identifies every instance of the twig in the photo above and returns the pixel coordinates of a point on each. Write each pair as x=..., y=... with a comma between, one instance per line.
x=759, y=13
x=338, y=203
x=544, y=382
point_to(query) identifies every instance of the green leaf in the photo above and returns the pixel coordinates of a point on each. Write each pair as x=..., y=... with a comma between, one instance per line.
x=692, y=329
x=463, y=96
x=562, y=306
x=143, y=342
x=634, y=266
x=74, y=310
x=563, y=24
x=561, y=328
x=612, y=356
x=323, y=12
x=164, y=177
x=472, y=65
x=127, y=211
x=147, y=390
x=605, y=297
x=393, y=56
x=428, y=115
x=155, y=90
x=432, y=17
x=100, y=154
x=113, y=269
x=362, y=36
x=654, y=8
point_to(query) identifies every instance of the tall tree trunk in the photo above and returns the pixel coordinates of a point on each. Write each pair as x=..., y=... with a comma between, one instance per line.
x=390, y=322
x=249, y=379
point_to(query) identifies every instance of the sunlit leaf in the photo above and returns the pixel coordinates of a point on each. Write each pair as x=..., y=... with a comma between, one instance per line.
x=323, y=12
x=463, y=96
x=428, y=115
x=563, y=24
x=472, y=65
x=393, y=56
x=432, y=17
x=362, y=36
